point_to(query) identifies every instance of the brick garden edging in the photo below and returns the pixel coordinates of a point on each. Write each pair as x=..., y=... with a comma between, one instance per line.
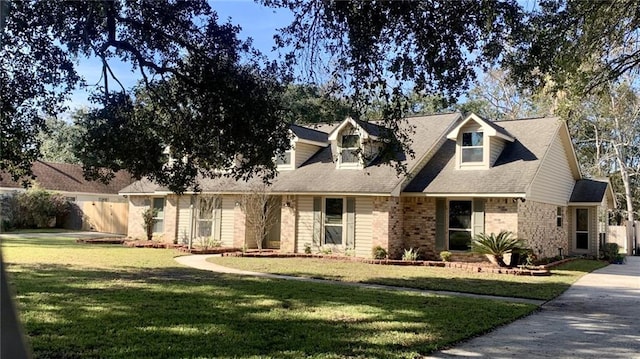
x=485, y=267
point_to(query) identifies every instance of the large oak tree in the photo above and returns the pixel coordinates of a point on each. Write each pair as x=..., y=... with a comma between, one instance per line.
x=205, y=96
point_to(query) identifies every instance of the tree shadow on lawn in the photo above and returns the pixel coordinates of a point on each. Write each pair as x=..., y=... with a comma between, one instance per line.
x=179, y=312
x=541, y=290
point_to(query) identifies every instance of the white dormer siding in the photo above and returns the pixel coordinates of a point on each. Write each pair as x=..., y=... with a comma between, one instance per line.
x=478, y=143
x=304, y=151
x=352, y=146
x=495, y=147
x=300, y=150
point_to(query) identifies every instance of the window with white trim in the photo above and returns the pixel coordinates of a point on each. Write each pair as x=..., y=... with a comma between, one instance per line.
x=158, y=204
x=460, y=228
x=284, y=159
x=559, y=217
x=472, y=147
x=333, y=221
x=349, y=149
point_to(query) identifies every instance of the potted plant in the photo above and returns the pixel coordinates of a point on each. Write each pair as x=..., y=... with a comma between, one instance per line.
x=619, y=259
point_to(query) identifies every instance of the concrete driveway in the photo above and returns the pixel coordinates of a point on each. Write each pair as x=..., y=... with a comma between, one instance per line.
x=598, y=317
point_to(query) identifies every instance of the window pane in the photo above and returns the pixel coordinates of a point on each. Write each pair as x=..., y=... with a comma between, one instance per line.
x=333, y=211
x=349, y=156
x=333, y=234
x=204, y=228
x=158, y=227
x=582, y=240
x=350, y=140
x=459, y=240
x=582, y=219
x=206, y=208
x=158, y=203
x=471, y=154
x=284, y=159
x=460, y=214
x=472, y=139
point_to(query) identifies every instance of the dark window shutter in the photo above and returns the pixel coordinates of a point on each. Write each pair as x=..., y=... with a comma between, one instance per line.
x=441, y=224
x=478, y=216
x=317, y=220
x=351, y=222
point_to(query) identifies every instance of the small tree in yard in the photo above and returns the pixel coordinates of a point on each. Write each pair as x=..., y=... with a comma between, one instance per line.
x=149, y=217
x=259, y=207
x=496, y=246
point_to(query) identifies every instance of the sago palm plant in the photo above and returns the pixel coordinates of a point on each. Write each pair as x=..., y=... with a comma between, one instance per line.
x=496, y=246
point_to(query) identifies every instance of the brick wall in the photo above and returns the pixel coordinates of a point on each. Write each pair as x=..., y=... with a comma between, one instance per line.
x=538, y=227
x=387, y=225
x=500, y=214
x=137, y=205
x=419, y=225
x=288, y=224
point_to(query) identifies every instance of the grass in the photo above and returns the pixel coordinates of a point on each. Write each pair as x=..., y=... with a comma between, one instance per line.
x=432, y=278
x=105, y=301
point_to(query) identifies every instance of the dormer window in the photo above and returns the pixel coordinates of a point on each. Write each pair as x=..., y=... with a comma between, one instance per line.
x=472, y=147
x=350, y=146
x=285, y=160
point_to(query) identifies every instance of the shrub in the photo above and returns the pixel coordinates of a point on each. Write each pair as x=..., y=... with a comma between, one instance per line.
x=307, y=248
x=496, y=246
x=445, y=256
x=148, y=216
x=34, y=208
x=379, y=253
x=410, y=255
x=609, y=251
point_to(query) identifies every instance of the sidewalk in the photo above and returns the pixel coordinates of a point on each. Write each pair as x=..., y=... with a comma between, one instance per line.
x=597, y=317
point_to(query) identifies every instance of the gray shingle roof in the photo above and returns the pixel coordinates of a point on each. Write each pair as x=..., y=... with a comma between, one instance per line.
x=589, y=191
x=309, y=134
x=512, y=172
x=69, y=178
x=320, y=175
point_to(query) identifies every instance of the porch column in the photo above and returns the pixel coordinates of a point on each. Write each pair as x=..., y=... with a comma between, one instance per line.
x=288, y=224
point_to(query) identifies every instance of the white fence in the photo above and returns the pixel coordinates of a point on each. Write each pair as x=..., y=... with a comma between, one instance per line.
x=623, y=236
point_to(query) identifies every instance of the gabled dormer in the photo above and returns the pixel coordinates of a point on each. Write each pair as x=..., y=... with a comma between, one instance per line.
x=355, y=143
x=305, y=142
x=478, y=142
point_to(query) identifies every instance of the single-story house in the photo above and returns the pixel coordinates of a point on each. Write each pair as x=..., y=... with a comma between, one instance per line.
x=467, y=176
x=95, y=206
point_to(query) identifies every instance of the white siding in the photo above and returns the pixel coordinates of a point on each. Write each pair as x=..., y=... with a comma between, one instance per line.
x=554, y=181
x=184, y=219
x=305, y=222
x=364, y=226
x=227, y=221
x=497, y=144
x=304, y=151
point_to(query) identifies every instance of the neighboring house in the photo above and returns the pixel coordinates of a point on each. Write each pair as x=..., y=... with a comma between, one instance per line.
x=468, y=176
x=95, y=206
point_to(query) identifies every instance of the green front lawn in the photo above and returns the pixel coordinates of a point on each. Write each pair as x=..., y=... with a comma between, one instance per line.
x=431, y=278
x=99, y=301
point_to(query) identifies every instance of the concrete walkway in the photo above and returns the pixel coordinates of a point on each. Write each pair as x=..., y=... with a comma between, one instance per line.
x=597, y=317
x=200, y=262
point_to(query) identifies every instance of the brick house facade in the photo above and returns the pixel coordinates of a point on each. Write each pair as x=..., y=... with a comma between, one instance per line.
x=468, y=176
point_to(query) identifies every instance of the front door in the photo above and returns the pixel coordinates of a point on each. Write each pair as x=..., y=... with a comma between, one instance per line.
x=581, y=236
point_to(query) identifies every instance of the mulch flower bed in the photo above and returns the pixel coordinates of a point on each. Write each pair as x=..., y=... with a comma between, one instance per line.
x=115, y=240
x=481, y=267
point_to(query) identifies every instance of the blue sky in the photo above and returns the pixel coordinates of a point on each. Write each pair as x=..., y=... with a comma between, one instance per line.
x=258, y=22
